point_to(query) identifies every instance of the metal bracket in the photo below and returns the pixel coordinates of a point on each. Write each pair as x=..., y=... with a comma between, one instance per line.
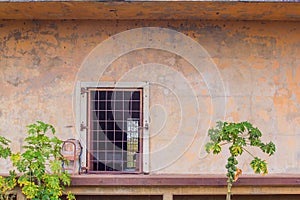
x=83, y=90
x=82, y=127
x=144, y=127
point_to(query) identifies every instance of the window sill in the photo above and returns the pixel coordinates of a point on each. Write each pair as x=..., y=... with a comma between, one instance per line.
x=183, y=180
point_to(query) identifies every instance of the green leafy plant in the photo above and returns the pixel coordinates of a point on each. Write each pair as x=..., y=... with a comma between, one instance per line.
x=5, y=150
x=7, y=184
x=238, y=136
x=41, y=176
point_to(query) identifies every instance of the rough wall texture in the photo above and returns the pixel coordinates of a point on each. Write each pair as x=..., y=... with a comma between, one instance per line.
x=257, y=62
x=151, y=10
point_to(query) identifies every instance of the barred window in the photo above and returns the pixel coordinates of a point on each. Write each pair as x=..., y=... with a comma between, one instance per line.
x=115, y=129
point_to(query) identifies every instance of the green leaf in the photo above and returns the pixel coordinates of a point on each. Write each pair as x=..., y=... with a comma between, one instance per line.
x=240, y=141
x=220, y=124
x=259, y=166
x=216, y=148
x=30, y=190
x=209, y=147
x=71, y=196
x=214, y=135
x=4, y=147
x=55, y=166
x=65, y=178
x=268, y=148
x=255, y=142
x=52, y=130
x=4, y=141
x=254, y=133
x=236, y=150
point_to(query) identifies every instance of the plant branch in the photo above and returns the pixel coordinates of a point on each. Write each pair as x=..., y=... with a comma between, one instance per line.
x=248, y=152
x=224, y=143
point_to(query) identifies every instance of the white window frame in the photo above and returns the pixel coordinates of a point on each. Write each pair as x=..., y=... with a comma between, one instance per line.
x=81, y=115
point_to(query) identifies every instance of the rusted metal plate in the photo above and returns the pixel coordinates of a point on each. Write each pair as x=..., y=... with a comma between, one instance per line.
x=206, y=10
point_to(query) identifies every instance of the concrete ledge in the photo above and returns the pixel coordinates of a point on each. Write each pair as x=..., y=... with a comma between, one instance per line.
x=182, y=180
x=169, y=191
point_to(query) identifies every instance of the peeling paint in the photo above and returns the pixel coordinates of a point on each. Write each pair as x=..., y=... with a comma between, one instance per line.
x=258, y=61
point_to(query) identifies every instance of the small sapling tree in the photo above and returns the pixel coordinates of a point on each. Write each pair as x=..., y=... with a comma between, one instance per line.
x=8, y=183
x=41, y=176
x=238, y=136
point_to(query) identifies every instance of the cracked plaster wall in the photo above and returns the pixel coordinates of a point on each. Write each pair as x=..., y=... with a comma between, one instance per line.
x=258, y=61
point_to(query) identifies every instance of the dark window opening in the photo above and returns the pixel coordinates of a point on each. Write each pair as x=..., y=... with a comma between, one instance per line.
x=115, y=116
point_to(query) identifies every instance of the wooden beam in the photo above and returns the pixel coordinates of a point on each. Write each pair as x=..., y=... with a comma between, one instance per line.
x=150, y=10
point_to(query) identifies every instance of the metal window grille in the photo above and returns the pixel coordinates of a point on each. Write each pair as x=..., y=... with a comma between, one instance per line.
x=115, y=141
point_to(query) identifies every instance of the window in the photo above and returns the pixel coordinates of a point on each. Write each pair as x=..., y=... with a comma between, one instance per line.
x=114, y=127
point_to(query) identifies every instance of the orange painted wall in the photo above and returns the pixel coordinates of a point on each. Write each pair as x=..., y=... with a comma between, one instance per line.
x=257, y=62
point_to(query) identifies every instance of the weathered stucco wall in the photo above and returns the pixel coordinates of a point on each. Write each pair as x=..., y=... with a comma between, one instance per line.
x=245, y=71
